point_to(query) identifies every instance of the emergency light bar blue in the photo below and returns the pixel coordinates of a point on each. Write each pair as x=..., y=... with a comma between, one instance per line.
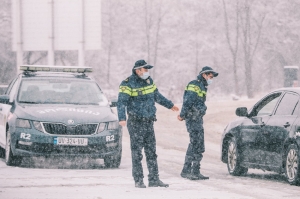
x=44, y=68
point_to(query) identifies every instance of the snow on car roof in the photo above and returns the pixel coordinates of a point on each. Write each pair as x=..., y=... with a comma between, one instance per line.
x=294, y=89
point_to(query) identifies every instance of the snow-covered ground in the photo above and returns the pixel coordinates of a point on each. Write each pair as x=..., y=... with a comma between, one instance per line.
x=81, y=178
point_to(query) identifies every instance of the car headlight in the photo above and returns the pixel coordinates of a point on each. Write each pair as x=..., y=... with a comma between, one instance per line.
x=21, y=123
x=38, y=126
x=101, y=127
x=113, y=125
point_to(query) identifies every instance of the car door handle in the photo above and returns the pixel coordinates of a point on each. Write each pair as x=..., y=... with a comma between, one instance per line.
x=286, y=125
x=265, y=132
x=263, y=124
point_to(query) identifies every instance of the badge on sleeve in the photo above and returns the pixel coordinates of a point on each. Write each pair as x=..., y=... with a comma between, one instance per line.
x=148, y=81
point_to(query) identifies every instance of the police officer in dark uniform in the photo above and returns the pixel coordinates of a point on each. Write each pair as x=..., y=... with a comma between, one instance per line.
x=193, y=110
x=139, y=93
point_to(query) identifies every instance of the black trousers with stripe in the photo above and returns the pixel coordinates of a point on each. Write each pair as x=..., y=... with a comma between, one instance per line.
x=142, y=136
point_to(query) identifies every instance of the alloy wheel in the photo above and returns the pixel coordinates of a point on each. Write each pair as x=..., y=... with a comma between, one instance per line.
x=7, y=148
x=292, y=164
x=232, y=156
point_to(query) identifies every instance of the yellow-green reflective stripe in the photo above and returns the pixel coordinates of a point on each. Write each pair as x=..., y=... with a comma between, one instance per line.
x=195, y=89
x=144, y=90
x=125, y=89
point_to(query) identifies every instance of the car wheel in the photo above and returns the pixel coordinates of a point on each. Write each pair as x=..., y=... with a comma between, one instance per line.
x=233, y=161
x=113, y=161
x=292, y=169
x=2, y=152
x=10, y=159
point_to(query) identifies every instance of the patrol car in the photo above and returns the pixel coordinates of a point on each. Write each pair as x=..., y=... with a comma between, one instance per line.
x=266, y=137
x=58, y=111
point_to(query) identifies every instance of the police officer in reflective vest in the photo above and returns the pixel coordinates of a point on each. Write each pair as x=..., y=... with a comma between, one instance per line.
x=139, y=93
x=193, y=109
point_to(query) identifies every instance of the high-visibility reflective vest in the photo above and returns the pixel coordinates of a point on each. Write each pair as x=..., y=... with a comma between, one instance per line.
x=196, y=89
x=134, y=92
x=194, y=99
x=139, y=97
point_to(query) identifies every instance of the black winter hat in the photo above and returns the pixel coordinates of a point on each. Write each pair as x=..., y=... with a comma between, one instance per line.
x=142, y=64
x=207, y=69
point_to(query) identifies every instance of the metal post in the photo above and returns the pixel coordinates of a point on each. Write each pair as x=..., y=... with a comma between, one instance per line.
x=19, y=34
x=81, y=60
x=51, y=34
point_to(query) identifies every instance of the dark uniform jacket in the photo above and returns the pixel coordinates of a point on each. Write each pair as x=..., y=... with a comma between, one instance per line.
x=194, y=99
x=139, y=96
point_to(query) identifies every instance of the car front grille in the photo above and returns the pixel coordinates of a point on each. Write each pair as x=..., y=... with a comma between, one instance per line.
x=62, y=129
x=85, y=129
x=53, y=128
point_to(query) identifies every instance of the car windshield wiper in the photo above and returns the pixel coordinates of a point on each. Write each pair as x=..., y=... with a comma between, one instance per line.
x=83, y=103
x=26, y=102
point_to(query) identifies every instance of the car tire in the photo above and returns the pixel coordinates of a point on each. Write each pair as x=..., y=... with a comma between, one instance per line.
x=292, y=165
x=10, y=159
x=113, y=161
x=233, y=159
x=2, y=152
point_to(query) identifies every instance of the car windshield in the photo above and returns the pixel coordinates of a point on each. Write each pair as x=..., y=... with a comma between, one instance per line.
x=54, y=91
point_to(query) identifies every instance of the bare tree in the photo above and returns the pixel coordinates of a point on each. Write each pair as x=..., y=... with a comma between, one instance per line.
x=153, y=22
x=148, y=23
x=110, y=38
x=197, y=26
x=233, y=43
x=7, y=57
x=157, y=36
x=28, y=56
x=250, y=40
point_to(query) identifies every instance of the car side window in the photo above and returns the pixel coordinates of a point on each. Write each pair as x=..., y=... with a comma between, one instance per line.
x=296, y=111
x=10, y=86
x=13, y=91
x=267, y=105
x=288, y=104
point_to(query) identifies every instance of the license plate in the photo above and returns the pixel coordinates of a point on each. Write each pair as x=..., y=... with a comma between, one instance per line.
x=71, y=141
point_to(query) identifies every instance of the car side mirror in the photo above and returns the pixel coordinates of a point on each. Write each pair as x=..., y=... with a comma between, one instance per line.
x=4, y=99
x=113, y=103
x=241, y=112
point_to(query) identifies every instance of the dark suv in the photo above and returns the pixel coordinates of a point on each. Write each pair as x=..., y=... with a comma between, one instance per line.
x=266, y=137
x=58, y=111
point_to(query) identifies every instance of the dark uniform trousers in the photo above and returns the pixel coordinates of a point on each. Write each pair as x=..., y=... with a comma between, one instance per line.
x=142, y=136
x=196, y=146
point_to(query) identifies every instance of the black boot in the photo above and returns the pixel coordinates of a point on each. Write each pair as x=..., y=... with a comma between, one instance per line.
x=157, y=183
x=202, y=177
x=196, y=175
x=184, y=174
x=192, y=176
x=187, y=166
x=140, y=184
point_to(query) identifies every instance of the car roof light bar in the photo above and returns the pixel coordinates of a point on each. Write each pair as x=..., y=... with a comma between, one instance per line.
x=44, y=68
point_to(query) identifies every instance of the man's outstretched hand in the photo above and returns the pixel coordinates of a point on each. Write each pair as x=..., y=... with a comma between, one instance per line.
x=179, y=118
x=122, y=123
x=175, y=108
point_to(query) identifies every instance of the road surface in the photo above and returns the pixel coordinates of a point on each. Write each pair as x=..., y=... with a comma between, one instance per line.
x=83, y=178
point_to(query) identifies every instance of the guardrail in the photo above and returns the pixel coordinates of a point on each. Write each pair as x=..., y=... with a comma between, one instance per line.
x=3, y=86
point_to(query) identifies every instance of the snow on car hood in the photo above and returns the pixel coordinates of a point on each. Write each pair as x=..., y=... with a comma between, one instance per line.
x=62, y=114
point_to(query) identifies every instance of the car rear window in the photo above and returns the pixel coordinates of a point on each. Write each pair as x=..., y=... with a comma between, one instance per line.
x=56, y=91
